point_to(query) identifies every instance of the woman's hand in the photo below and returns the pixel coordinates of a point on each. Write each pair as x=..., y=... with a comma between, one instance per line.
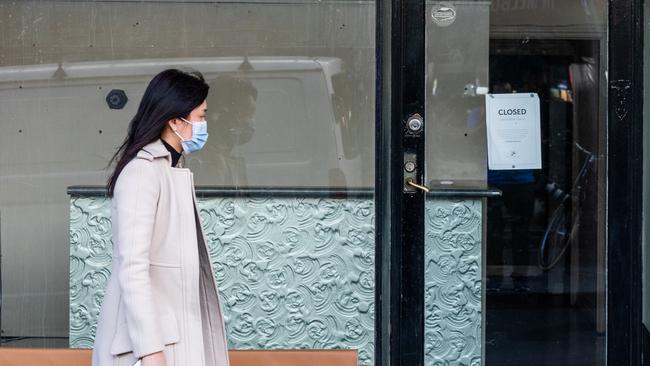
x=154, y=359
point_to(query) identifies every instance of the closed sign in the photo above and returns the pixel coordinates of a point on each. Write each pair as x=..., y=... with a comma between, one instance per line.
x=513, y=131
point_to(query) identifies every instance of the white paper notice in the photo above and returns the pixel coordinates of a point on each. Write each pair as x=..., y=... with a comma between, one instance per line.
x=513, y=131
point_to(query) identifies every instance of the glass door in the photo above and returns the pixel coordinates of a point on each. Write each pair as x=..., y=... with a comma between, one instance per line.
x=515, y=240
x=505, y=124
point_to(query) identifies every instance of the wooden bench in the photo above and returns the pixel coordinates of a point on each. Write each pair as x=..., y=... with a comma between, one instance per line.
x=81, y=357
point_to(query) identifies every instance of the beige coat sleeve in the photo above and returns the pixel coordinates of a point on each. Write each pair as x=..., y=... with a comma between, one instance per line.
x=135, y=200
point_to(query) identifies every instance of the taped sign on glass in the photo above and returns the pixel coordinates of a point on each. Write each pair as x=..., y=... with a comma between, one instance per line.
x=513, y=131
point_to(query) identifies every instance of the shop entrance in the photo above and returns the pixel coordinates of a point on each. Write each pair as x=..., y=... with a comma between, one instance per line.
x=510, y=262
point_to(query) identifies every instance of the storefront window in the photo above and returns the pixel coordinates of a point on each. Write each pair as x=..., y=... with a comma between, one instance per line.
x=285, y=183
x=291, y=121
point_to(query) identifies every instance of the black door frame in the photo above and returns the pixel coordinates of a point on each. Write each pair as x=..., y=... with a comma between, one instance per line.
x=399, y=216
x=625, y=182
x=400, y=51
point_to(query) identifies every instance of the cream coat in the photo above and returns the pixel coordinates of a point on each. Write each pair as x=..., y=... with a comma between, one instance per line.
x=161, y=295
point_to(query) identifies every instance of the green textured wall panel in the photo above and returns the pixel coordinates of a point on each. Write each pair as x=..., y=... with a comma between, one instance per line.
x=299, y=273
x=292, y=272
x=453, y=273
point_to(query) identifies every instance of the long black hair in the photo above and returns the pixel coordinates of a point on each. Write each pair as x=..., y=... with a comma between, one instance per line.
x=171, y=94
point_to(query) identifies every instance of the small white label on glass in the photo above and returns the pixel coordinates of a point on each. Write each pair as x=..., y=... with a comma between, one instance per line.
x=443, y=14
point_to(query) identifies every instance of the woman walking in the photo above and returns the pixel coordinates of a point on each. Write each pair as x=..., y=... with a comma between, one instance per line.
x=161, y=304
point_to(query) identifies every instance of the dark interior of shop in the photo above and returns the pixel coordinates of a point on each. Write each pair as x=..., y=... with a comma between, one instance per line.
x=545, y=234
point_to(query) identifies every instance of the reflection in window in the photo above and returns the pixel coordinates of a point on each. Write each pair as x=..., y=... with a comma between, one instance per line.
x=72, y=74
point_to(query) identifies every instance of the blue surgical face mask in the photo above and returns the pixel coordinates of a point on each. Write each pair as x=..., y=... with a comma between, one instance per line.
x=199, y=136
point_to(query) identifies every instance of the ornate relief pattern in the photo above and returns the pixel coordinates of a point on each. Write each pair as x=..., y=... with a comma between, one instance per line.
x=453, y=283
x=90, y=265
x=292, y=272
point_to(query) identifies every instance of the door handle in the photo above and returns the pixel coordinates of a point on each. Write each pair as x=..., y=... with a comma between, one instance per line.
x=410, y=182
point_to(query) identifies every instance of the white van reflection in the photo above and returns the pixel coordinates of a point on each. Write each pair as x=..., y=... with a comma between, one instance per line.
x=273, y=121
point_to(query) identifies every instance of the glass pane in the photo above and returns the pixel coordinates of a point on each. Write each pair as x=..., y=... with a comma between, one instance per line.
x=520, y=276
x=285, y=181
